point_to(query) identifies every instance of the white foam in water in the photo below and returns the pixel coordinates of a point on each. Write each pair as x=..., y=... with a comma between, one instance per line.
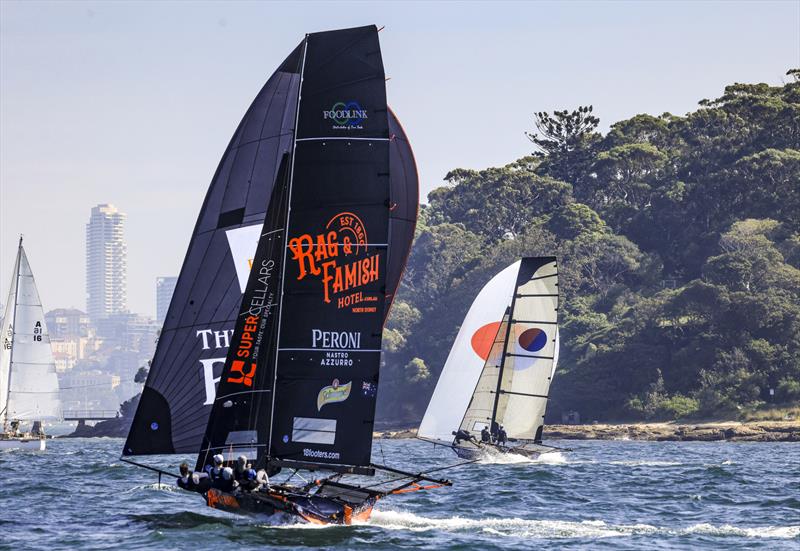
x=491, y=457
x=644, y=463
x=525, y=528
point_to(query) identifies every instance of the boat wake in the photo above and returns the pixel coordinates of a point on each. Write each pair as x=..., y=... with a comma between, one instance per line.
x=646, y=463
x=526, y=528
x=491, y=457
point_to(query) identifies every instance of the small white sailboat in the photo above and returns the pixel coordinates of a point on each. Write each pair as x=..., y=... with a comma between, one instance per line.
x=493, y=390
x=28, y=381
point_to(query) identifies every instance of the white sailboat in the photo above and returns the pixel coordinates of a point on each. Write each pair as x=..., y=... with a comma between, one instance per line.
x=28, y=381
x=493, y=390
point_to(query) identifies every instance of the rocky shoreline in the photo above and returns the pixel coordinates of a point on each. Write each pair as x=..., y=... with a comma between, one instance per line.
x=733, y=431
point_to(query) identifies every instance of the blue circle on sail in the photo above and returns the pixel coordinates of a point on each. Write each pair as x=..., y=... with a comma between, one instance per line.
x=153, y=426
x=532, y=340
x=285, y=438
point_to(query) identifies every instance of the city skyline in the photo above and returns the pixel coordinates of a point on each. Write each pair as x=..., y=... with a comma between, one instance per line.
x=91, y=113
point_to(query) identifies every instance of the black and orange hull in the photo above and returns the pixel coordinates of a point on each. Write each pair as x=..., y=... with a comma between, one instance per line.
x=304, y=507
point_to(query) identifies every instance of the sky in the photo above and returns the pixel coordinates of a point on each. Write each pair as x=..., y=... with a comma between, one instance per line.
x=133, y=103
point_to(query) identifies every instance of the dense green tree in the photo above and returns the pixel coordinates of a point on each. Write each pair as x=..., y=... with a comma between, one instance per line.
x=678, y=240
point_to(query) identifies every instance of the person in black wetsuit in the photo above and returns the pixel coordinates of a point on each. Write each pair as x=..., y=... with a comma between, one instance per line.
x=462, y=434
x=502, y=437
x=245, y=475
x=221, y=476
x=486, y=437
x=193, y=482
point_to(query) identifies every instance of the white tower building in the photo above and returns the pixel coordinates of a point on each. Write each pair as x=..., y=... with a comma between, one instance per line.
x=106, y=263
x=165, y=286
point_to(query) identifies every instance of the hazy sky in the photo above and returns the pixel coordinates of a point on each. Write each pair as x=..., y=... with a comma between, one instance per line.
x=134, y=103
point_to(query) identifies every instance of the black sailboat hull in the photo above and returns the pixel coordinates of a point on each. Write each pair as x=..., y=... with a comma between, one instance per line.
x=293, y=504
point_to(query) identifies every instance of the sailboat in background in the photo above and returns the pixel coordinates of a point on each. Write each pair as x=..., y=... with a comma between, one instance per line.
x=492, y=393
x=28, y=381
x=336, y=195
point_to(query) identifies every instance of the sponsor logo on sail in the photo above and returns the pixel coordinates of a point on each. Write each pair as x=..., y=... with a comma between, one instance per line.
x=261, y=301
x=334, y=393
x=320, y=454
x=346, y=115
x=340, y=259
x=335, y=339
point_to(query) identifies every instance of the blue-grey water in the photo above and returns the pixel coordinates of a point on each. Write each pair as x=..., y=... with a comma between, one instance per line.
x=612, y=494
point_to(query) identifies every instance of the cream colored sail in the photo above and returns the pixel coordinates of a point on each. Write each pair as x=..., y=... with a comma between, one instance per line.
x=31, y=381
x=464, y=365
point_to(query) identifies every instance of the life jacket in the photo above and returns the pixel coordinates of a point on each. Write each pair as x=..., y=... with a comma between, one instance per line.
x=186, y=483
x=214, y=473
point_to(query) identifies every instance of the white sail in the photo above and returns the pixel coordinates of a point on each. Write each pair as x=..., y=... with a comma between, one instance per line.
x=531, y=352
x=481, y=406
x=6, y=335
x=467, y=356
x=32, y=384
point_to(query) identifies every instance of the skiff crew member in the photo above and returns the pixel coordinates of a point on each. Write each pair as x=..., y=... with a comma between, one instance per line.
x=215, y=471
x=486, y=438
x=462, y=434
x=245, y=475
x=262, y=477
x=502, y=437
x=194, y=482
x=220, y=475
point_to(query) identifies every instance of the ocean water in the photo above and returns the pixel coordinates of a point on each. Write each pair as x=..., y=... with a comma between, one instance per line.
x=600, y=495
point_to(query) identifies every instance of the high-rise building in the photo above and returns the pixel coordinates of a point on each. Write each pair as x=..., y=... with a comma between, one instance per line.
x=106, y=263
x=165, y=286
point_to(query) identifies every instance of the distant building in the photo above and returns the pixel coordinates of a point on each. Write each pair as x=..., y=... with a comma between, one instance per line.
x=165, y=286
x=129, y=332
x=67, y=323
x=65, y=354
x=106, y=263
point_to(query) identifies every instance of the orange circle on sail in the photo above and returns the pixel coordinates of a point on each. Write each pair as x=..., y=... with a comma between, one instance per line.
x=483, y=339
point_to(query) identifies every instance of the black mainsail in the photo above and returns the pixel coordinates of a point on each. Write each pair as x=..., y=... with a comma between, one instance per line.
x=176, y=401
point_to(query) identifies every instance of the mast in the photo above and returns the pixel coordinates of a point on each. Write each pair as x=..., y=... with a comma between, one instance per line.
x=285, y=244
x=474, y=408
x=13, y=330
x=498, y=390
